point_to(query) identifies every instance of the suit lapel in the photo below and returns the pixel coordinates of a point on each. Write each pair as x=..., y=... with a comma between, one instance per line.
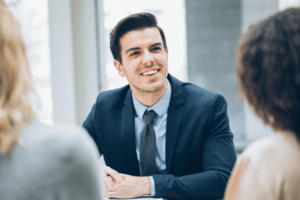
x=175, y=113
x=128, y=134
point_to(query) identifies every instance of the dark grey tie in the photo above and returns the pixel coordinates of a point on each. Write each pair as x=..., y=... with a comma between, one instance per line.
x=147, y=146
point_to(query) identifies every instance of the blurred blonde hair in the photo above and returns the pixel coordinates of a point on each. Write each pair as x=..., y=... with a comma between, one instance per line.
x=15, y=82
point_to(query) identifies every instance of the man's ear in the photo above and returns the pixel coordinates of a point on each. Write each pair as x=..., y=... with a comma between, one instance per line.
x=167, y=53
x=119, y=68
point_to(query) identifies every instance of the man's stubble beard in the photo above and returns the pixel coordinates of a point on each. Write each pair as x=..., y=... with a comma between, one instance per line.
x=151, y=91
x=165, y=77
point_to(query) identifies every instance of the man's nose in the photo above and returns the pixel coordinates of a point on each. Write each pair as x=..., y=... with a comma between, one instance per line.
x=147, y=58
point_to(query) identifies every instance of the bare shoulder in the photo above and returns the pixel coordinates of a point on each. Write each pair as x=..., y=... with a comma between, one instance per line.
x=281, y=150
x=271, y=168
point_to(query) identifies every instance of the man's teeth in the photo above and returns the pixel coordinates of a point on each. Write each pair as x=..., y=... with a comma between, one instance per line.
x=150, y=73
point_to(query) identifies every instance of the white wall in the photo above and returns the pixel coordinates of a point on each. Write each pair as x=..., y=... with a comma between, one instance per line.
x=85, y=56
x=62, y=70
x=75, y=58
x=283, y=4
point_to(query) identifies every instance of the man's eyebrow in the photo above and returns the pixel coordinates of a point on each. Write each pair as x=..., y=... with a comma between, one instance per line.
x=137, y=48
x=156, y=44
x=132, y=49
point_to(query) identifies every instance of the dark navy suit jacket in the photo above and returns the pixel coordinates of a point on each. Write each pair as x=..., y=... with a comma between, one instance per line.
x=199, y=144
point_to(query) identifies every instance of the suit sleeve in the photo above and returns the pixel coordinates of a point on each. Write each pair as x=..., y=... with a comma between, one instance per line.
x=89, y=125
x=218, y=158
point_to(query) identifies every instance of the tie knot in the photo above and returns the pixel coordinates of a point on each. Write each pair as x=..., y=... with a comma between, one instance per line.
x=149, y=116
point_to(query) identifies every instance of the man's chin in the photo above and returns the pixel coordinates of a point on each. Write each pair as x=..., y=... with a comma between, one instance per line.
x=152, y=88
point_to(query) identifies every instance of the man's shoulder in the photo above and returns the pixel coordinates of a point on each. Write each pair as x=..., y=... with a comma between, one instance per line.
x=198, y=96
x=192, y=89
x=113, y=96
x=195, y=94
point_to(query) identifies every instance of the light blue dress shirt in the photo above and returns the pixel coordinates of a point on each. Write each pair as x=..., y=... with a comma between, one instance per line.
x=159, y=126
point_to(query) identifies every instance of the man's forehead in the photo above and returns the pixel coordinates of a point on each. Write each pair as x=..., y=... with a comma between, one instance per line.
x=144, y=36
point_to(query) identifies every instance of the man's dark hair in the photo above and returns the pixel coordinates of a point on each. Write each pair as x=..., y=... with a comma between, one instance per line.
x=133, y=22
x=268, y=68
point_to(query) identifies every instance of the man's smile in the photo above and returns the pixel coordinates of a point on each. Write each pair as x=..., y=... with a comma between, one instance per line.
x=150, y=72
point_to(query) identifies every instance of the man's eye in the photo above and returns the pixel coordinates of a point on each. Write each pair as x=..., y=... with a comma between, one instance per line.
x=134, y=53
x=156, y=49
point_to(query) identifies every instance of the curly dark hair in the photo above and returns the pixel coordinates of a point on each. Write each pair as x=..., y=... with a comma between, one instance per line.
x=268, y=69
x=132, y=22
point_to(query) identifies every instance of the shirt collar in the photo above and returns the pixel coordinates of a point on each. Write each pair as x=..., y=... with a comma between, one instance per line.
x=160, y=107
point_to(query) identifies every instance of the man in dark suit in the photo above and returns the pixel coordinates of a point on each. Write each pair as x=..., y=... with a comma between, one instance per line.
x=159, y=136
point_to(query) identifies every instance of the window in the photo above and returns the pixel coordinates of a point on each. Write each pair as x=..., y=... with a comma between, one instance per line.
x=32, y=16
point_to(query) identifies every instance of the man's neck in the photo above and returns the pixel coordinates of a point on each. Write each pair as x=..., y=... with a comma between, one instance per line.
x=149, y=98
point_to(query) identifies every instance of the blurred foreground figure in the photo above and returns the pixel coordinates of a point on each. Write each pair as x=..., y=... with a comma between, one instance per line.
x=37, y=161
x=268, y=67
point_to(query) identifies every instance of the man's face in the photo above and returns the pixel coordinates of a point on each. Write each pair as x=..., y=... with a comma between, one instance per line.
x=144, y=60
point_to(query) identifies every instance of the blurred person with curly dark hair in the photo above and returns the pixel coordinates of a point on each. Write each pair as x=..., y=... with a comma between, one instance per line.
x=37, y=161
x=268, y=68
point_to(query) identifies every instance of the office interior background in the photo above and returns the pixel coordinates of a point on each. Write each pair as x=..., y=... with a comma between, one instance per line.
x=68, y=49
